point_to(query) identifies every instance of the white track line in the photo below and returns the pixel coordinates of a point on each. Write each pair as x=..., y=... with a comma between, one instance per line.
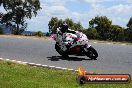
x=52, y=66
x=24, y=62
x=58, y=67
x=70, y=69
x=7, y=59
x=31, y=63
x=109, y=43
x=1, y=58
x=64, y=68
x=13, y=60
x=123, y=44
x=19, y=61
x=37, y=65
x=44, y=65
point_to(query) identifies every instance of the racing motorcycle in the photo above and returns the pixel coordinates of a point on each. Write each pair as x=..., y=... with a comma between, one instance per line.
x=73, y=44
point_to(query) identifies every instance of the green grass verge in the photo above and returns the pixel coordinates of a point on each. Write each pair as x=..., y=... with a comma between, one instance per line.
x=101, y=41
x=23, y=76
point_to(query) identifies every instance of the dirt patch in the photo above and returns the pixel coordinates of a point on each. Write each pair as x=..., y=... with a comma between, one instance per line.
x=21, y=36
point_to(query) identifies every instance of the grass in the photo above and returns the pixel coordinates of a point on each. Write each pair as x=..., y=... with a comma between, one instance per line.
x=113, y=42
x=23, y=76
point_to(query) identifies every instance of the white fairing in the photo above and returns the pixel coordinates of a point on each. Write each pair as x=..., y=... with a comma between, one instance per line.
x=69, y=38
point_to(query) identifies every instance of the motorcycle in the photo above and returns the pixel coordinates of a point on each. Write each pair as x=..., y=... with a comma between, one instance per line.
x=73, y=44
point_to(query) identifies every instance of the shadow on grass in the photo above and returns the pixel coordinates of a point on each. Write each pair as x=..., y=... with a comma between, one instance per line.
x=57, y=58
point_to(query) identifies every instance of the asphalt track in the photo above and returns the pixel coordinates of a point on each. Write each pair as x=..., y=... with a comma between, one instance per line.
x=113, y=58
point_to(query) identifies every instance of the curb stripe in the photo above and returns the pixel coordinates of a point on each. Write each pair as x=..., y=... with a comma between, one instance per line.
x=13, y=60
x=1, y=58
x=37, y=65
x=7, y=59
x=44, y=65
x=123, y=44
x=24, y=62
x=52, y=66
x=109, y=43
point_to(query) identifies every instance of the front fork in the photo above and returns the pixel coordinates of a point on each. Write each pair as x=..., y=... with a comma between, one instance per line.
x=86, y=47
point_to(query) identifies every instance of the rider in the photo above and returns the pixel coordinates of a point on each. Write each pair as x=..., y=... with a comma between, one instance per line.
x=64, y=28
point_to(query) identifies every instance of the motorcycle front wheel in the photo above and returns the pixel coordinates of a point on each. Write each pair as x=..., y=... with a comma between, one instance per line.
x=91, y=53
x=61, y=52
